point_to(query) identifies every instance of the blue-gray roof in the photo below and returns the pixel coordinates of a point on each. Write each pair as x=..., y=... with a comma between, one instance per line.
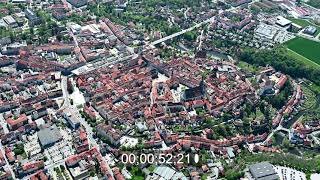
x=49, y=136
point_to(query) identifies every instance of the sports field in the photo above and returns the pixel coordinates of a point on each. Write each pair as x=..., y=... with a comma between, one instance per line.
x=306, y=48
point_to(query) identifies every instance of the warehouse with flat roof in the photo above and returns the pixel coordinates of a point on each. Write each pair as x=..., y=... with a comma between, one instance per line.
x=10, y=21
x=49, y=136
x=263, y=171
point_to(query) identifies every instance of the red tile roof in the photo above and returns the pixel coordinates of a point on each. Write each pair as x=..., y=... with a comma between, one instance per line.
x=22, y=119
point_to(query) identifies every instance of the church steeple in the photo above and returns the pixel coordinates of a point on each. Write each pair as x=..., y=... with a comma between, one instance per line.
x=202, y=85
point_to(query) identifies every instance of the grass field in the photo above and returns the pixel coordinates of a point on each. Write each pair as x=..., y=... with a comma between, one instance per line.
x=301, y=58
x=248, y=67
x=306, y=48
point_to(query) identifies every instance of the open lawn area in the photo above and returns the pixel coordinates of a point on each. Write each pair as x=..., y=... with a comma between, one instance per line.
x=306, y=48
x=301, y=58
x=248, y=67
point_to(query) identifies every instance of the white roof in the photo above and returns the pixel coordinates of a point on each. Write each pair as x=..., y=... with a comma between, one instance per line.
x=165, y=172
x=296, y=25
x=18, y=1
x=315, y=176
x=92, y=27
x=9, y=19
x=179, y=176
x=282, y=21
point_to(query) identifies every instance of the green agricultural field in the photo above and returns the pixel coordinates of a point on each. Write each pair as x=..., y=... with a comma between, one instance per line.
x=301, y=58
x=306, y=48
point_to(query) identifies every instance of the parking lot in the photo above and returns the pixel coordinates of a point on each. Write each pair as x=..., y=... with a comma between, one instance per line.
x=286, y=173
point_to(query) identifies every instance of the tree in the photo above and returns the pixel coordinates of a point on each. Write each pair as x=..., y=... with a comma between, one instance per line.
x=190, y=36
x=221, y=130
x=246, y=125
x=232, y=174
x=278, y=101
x=314, y=3
x=62, y=168
x=226, y=116
x=286, y=143
x=278, y=58
x=19, y=149
x=213, y=136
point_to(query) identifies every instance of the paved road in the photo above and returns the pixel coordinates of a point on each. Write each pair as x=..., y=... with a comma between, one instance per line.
x=88, y=128
x=7, y=166
x=200, y=40
x=64, y=87
x=48, y=167
x=313, y=8
x=279, y=128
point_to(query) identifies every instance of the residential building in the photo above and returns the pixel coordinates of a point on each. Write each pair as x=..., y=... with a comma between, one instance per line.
x=111, y=134
x=78, y=3
x=310, y=30
x=15, y=123
x=10, y=21
x=32, y=17
x=71, y=118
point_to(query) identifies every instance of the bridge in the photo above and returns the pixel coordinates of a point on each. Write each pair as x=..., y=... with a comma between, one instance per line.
x=181, y=32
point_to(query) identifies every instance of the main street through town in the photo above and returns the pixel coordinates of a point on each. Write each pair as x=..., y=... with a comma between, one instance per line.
x=7, y=166
x=88, y=128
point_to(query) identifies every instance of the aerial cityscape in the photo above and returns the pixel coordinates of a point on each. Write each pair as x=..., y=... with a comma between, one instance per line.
x=160, y=89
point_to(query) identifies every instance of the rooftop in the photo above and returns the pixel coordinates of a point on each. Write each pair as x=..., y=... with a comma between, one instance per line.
x=283, y=21
x=263, y=171
x=49, y=135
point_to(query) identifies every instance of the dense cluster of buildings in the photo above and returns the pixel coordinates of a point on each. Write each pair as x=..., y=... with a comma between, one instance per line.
x=235, y=20
x=125, y=93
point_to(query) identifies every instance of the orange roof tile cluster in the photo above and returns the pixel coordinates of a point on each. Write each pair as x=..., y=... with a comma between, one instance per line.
x=88, y=110
x=89, y=155
x=9, y=154
x=283, y=79
x=288, y=108
x=117, y=174
x=33, y=166
x=40, y=175
x=80, y=140
x=16, y=123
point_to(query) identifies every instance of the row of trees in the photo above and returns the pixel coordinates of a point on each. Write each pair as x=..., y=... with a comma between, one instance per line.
x=279, y=59
x=278, y=101
x=177, y=4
